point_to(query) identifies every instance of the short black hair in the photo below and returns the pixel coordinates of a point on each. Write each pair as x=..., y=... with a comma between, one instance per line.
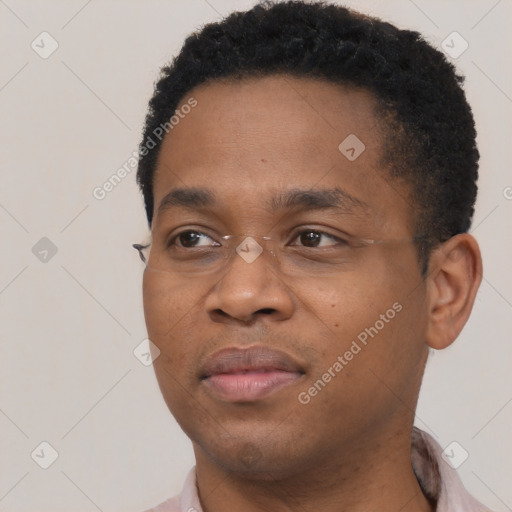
x=429, y=140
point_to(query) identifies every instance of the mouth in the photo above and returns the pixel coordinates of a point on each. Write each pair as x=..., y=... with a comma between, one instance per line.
x=249, y=374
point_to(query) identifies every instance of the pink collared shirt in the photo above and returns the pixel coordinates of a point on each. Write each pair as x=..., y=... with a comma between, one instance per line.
x=438, y=480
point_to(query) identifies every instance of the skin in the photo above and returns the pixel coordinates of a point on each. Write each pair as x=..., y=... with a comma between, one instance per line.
x=350, y=445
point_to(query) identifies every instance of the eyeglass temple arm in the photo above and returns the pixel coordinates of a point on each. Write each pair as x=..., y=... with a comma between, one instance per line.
x=140, y=248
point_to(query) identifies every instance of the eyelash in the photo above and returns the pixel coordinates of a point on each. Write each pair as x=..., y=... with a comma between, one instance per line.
x=174, y=238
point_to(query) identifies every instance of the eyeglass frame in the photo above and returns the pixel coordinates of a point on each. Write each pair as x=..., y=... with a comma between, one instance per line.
x=364, y=242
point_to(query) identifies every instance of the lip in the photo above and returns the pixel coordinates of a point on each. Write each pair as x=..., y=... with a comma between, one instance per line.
x=249, y=374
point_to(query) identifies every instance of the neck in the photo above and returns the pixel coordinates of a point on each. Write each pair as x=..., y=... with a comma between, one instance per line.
x=373, y=474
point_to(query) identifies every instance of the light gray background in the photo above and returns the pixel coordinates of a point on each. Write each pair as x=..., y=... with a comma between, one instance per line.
x=69, y=326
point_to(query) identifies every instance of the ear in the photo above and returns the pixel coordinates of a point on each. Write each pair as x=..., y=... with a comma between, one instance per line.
x=454, y=275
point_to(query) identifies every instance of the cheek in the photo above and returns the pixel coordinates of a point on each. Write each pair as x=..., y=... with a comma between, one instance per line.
x=169, y=310
x=350, y=302
x=377, y=329
x=167, y=302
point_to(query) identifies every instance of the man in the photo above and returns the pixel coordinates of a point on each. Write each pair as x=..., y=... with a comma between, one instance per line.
x=309, y=176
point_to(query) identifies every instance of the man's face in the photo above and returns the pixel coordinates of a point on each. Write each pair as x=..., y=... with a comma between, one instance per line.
x=249, y=144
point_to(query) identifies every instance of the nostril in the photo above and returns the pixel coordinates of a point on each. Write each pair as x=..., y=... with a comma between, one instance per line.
x=266, y=311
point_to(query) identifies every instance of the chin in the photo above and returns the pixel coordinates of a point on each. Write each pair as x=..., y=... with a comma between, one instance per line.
x=263, y=460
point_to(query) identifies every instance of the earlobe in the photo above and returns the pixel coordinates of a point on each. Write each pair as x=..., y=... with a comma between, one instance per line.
x=454, y=275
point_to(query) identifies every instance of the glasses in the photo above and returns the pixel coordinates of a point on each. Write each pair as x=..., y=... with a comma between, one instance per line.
x=194, y=253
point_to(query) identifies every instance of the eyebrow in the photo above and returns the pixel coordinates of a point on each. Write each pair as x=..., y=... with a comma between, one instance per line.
x=294, y=199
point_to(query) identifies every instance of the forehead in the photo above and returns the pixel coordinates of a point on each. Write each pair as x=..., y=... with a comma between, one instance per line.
x=273, y=118
x=249, y=139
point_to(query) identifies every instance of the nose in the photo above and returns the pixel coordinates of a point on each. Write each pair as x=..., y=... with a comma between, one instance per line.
x=250, y=290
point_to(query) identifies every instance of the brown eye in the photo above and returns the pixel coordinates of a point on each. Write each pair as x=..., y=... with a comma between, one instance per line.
x=314, y=238
x=191, y=238
x=310, y=238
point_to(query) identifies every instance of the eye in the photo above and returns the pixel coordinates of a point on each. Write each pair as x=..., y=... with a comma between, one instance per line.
x=316, y=238
x=191, y=238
